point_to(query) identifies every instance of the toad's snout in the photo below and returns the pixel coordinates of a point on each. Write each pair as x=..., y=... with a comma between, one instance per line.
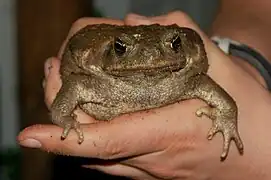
x=150, y=55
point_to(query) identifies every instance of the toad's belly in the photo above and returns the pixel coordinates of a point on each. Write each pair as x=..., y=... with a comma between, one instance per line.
x=115, y=101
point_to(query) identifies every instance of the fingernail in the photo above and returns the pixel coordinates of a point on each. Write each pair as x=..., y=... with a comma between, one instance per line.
x=47, y=67
x=31, y=143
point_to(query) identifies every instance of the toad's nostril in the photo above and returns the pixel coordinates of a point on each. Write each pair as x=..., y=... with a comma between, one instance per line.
x=151, y=54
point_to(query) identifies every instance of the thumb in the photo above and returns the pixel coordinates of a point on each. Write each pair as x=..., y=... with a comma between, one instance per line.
x=123, y=137
x=127, y=135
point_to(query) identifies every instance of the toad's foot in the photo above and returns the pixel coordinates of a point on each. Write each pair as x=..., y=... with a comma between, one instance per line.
x=69, y=123
x=224, y=122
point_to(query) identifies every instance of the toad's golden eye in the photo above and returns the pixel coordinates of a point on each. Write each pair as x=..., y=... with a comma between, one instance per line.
x=119, y=47
x=176, y=43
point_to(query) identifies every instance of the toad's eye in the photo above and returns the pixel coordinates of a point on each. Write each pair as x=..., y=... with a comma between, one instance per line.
x=119, y=47
x=176, y=43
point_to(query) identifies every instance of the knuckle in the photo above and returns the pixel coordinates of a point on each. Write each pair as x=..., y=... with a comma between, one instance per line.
x=180, y=17
x=79, y=22
x=178, y=14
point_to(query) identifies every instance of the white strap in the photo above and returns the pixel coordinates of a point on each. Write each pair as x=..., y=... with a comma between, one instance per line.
x=224, y=43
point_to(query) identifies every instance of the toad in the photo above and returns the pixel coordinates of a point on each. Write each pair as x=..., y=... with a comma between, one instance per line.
x=109, y=70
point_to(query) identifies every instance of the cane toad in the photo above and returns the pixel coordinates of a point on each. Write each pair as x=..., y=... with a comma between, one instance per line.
x=108, y=70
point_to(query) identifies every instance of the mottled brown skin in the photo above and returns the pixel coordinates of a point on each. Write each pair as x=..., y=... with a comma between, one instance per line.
x=110, y=70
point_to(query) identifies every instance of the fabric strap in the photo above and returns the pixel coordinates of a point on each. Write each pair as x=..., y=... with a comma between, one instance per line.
x=248, y=54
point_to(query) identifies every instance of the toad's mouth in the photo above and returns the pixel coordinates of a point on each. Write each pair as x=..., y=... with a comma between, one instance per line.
x=147, y=70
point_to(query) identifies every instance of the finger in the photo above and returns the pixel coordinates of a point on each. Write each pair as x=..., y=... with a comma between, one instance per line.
x=48, y=66
x=81, y=23
x=163, y=164
x=176, y=17
x=52, y=84
x=47, y=69
x=121, y=170
x=101, y=140
x=149, y=163
x=125, y=136
x=52, y=80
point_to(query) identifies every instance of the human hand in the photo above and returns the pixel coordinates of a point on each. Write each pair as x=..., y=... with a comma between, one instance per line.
x=169, y=142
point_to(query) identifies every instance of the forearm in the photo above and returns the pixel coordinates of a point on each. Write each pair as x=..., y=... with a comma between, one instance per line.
x=246, y=21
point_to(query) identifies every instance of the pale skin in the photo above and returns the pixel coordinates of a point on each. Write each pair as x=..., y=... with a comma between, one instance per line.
x=170, y=142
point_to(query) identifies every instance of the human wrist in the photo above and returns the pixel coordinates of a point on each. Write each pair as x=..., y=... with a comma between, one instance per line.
x=244, y=59
x=252, y=71
x=248, y=25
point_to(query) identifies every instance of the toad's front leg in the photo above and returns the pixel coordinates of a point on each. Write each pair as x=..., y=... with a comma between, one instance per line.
x=63, y=106
x=222, y=110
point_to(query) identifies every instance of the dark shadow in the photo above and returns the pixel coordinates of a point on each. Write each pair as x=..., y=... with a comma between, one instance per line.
x=66, y=167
